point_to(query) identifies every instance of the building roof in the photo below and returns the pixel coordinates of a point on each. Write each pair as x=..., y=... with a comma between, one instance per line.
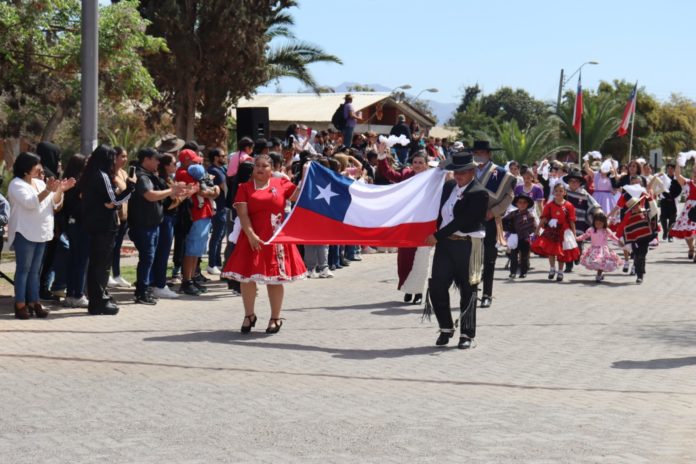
x=310, y=107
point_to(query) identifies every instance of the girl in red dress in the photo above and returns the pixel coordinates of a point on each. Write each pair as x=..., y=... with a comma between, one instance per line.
x=260, y=204
x=557, y=217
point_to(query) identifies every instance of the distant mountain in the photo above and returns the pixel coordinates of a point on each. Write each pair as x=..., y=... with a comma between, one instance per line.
x=443, y=111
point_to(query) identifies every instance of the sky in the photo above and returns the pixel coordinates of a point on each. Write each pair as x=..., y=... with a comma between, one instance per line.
x=450, y=44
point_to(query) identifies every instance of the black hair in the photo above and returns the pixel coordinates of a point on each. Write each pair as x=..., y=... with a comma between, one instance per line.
x=213, y=153
x=599, y=215
x=671, y=165
x=244, y=142
x=523, y=169
x=100, y=161
x=119, y=150
x=276, y=158
x=371, y=155
x=290, y=131
x=275, y=141
x=24, y=163
x=165, y=160
x=640, y=178
x=146, y=152
x=191, y=145
x=419, y=154
x=75, y=167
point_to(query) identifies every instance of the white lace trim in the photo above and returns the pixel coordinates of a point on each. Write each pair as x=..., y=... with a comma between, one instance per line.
x=262, y=279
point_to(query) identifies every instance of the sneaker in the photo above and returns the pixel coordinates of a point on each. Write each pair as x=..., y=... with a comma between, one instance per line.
x=213, y=270
x=145, y=299
x=625, y=266
x=236, y=293
x=326, y=273
x=355, y=258
x=121, y=282
x=552, y=274
x=165, y=293
x=200, y=278
x=345, y=262
x=189, y=289
x=312, y=275
x=633, y=270
x=174, y=280
x=639, y=280
x=368, y=251
x=111, y=283
x=332, y=267
x=559, y=277
x=81, y=302
x=201, y=288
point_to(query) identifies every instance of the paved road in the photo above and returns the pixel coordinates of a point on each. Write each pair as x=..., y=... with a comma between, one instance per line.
x=563, y=373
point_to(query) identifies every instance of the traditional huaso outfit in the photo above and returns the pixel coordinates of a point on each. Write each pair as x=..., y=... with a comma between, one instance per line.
x=638, y=225
x=274, y=263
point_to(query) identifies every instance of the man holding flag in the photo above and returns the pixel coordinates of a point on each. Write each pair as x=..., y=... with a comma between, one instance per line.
x=458, y=249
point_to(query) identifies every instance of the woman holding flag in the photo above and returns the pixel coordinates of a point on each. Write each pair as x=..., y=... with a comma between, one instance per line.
x=260, y=204
x=412, y=263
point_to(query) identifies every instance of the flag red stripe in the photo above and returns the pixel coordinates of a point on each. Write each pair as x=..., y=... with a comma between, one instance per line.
x=310, y=228
x=628, y=111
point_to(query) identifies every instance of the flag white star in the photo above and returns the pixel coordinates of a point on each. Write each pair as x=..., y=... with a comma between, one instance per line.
x=325, y=193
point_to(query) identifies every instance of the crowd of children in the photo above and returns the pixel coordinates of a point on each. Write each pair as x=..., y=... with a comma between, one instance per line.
x=572, y=216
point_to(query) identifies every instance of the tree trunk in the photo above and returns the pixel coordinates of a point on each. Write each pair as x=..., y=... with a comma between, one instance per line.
x=52, y=124
x=185, y=110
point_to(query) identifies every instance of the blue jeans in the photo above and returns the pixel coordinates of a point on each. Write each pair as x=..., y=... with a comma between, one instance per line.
x=350, y=252
x=116, y=260
x=158, y=273
x=348, y=136
x=216, y=237
x=78, y=256
x=28, y=256
x=145, y=240
x=402, y=154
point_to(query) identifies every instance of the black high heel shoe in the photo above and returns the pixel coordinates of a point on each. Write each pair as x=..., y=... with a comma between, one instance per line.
x=276, y=328
x=418, y=298
x=407, y=298
x=252, y=323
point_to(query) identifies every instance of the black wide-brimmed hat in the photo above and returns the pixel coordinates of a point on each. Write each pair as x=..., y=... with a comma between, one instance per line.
x=574, y=174
x=170, y=143
x=523, y=196
x=483, y=145
x=460, y=161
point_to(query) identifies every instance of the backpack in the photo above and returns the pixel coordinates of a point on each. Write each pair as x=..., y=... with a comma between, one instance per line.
x=339, y=119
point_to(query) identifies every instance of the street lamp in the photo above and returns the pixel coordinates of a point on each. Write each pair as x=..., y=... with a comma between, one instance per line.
x=431, y=90
x=562, y=82
x=401, y=87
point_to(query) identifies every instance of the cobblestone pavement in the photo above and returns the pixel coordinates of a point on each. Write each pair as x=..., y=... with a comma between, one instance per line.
x=563, y=373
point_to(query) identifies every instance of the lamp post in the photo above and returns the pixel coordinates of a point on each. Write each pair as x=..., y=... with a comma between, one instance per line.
x=89, y=80
x=563, y=81
x=430, y=90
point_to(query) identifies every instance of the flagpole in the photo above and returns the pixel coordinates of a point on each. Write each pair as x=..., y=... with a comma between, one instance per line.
x=633, y=123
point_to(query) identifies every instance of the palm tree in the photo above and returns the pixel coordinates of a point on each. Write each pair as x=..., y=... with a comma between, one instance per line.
x=292, y=60
x=526, y=145
x=600, y=120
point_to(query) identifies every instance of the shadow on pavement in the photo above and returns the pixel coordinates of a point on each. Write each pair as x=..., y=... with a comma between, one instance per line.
x=666, y=363
x=238, y=339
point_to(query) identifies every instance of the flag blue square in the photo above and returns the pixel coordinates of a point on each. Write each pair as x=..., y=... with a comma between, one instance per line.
x=325, y=192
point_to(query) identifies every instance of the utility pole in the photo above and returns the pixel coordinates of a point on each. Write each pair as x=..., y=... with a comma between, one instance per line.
x=89, y=77
x=560, y=90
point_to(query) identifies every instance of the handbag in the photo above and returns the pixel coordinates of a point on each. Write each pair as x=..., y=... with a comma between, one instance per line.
x=569, y=241
x=512, y=241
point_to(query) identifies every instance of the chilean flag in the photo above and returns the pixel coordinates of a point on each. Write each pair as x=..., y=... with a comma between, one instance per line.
x=335, y=210
x=577, y=110
x=628, y=111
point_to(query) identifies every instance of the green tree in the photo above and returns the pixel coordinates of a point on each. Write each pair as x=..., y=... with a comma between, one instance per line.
x=40, y=62
x=506, y=104
x=221, y=52
x=526, y=145
x=676, y=126
x=601, y=118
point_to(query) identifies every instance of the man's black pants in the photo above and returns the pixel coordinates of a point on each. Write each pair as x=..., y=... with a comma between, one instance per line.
x=490, y=254
x=668, y=216
x=451, y=265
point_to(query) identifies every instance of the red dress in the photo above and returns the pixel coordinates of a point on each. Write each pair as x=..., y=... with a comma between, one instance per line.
x=274, y=263
x=550, y=243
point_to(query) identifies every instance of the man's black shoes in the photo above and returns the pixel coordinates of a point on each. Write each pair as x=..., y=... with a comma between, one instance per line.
x=465, y=343
x=485, y=302
x=444, y=338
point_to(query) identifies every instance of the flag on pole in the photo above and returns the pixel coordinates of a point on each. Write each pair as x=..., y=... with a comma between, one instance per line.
x=335, y=210
x=577, y=110
x=628, y=111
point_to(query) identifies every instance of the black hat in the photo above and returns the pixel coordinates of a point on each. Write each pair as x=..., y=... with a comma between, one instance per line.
x=574, y=174
x=483, y=145
x=460, y=161
x=523, y=196
x=170, y=143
